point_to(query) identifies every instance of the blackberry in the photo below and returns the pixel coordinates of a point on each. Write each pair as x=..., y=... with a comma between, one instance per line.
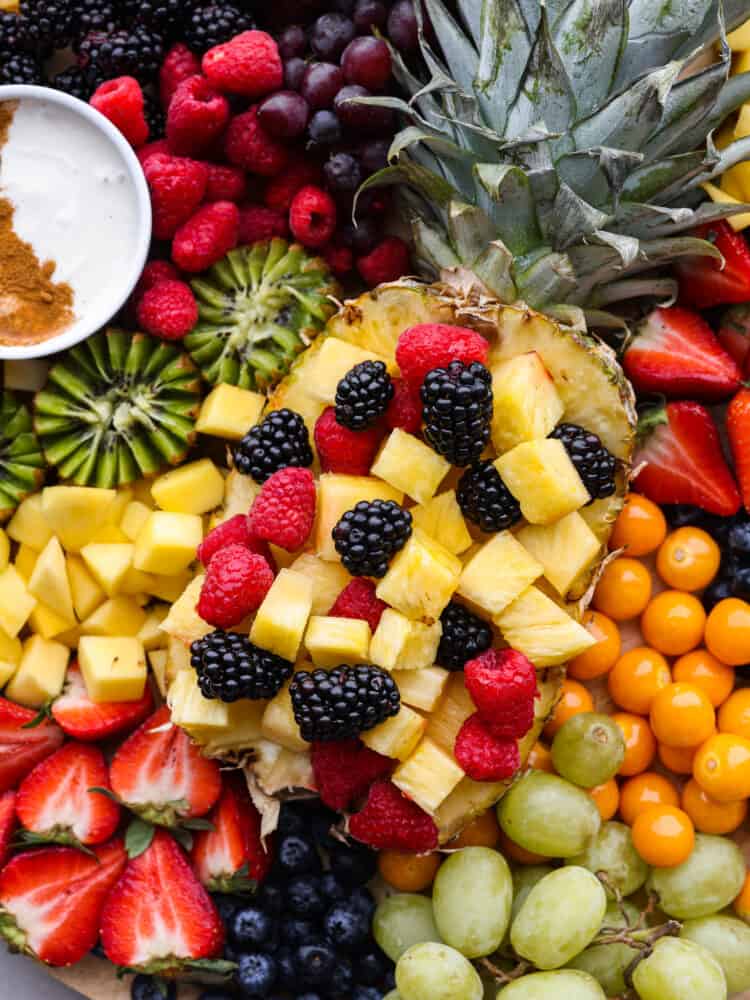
x=78, y=81
x=165, y=16
x=229, y=667
x=94, y=15
x=363, y=395
x=372, y=532
x=464, y=636
x=593, y=463
x=10, y=34
x=155, y=117
x=339, y=704
x=22, y=67
x=46, y=25
x=281, y=439
x=485, y=499
x=134, y=52
x=457, y=411
x=213, y=24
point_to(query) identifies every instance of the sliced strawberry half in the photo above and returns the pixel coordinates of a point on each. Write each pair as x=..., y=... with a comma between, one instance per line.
x=22, y=748
x=51, y=900
x=734, y=334
x=706, y=282
x=8, y=824
x=161, y=775
x=159, y=917
x=90, y=721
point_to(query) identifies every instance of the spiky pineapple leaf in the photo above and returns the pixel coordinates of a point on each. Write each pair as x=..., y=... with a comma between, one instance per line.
x=590, y=38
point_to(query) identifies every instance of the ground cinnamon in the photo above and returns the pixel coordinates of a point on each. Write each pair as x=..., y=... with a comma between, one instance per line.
x=33, y=307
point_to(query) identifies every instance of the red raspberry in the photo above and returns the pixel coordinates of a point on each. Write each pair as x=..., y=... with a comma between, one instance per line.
x=236, y=582
x=121, y=100
x=387, y=262
x=345, y=769
x=391, y=822
x=502, y=684
x=339, y=258
x=405, y=409
x=179, y=63
x=177, y=186
x=342, y=450
x=206, y=237
x=434, y=345
x=160, y=146
x=284, y=510
x=280, y=190
x=483, y=755
x=312, y=217
x=358, y=600
x=225, y=183
x=168, y=310
x=249, y=65
x=154, y=272
x=248, y=145
x=260, y=223
x=235, y=531
x=197, y=116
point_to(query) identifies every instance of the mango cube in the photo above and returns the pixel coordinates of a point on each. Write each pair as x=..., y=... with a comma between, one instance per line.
x=167, y=542
x=108, y=564
x=336, y=495
x=332, y=641
x=119, y=616
x=16, y=603
x=229, y=412
x=428, y=776
x=49, y=581
x=281, y=619
x=279, y=725
x=133, y=519
x=334, y=359
x=114, y=669
x=541, y=476
x=328, y=578
x=421, y=689
x=10, y=657
x=40, y=674
x=75, y=513
x=543, y=631
x=526, y=404
x=441, y=518
x=421, y=578
x=397, y=736
x=399, y=643
x=195, y=488
x=564, y=549
x=498, y=572
x=410, y=465
x=29, y=526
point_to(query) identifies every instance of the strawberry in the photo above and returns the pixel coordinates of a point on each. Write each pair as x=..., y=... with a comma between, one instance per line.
x=705, y=281
x=738, y=431
x=8, y=823
x=683, y=459
x=51, y=900
x=677, y=354
x=231, y=857
x=22, y=748
x=159, y=917
x=734, y=335
x=161, y=775
x=54, y=801
x=91, y=721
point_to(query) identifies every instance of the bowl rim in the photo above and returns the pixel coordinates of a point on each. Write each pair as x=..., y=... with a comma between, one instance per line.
x=94, y=319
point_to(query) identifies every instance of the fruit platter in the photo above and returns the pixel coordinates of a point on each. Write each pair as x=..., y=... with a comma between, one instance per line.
x=375, y=498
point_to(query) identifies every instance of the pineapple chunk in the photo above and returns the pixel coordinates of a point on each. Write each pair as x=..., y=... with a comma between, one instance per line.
x=399, y=643
x=297, y=396
x=739, y=39
x=75, y=513
x=332, y=641
x=282, y=617
x=46, y=622
x=10, y=657
x=114, y=669
x=141, y=489
x=542, y=630
x=239, y=493
x=243, y=730
x=195, y=488
x=281, y=770
x=428, y=776
x=499, y=571
x=279, y=725
x=410, y=465
x=16, y=603
x=565, y=549
x=336, y=495
x=441, y=518
x=135, y=516
x=421, y=688
x=118, y=616
x=328, y=578
x=281, y=557
x=601, y=515
x=136, y=583
x=167, y=542
x=109, y=564
x=151, y=634
x=421, y=578
x=526, y=404
x=168, y=588
x=29, y=526
x=202, y=717
x=70, y=638
x=397, y=736
x=334, y=359
x=49, y=582
x=87, y=594
x=541, y=476
x=4, y=550
x=178, y=657
x=109, y=534
x=40, y=674
x=25, y=561
x=121, y=501
x=157, y=659
x=183, y=621
x=454, y=709
x=229, y=412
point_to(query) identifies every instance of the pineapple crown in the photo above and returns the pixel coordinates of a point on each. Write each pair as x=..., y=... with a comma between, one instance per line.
x=558, y=148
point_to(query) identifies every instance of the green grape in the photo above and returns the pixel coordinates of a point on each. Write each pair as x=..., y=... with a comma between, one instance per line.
x=566, y=984
x=549, y=816
x=561, y=915
x=432, y=971
x=611, y=852
x=393, y=995
x=679, y=970
x=471, y=900
x=588, y=749
x=705, y=883
x=607, y=962
x=525, y=877
x=728, y=940
x=403, y=920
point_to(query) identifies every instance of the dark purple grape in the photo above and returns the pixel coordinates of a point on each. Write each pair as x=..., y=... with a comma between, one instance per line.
x=330, y=35
x=361, y=117
x=402, y=26
x=284, y=114
x=363, y=237
x=367, y=61
x=294, y=71
x=343, y=173
x=324, y=129
x=369, y=14
x=292, y=41
x=320, y=84
x=373, y=155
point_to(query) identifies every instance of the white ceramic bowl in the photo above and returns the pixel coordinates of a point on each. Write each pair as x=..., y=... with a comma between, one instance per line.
x=125, y=272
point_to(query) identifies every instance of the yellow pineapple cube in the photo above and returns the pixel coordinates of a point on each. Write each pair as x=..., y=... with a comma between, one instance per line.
x=136, y=583
x=397, y=736
x=167, y=542
x=41, y=673
x=334, y=359
x=118, y=616
x=141, y=489
x=441, y=518
x=541, y=476
x=203, y=718
x=543, y=631
x=49, y=581
x=195, y=488
x=281, y=557
x=239, y=493
x=454, y=709
x=428, y=776
x=151, y=634
x=243, y=730
x=4, y=550
x=410, y=465
x=108, y=564
x=109, y=534
x=168, y=588
x=114, y=669
x=29, y=526
x=332, y=641
x=70, y=638
x=526, y=404
x=46, y=622
x=10, y=657
x=133, y=519
x=421, y=689
x=183, y=621
x=421, y=578
x=399, y=643
x=328, y=579
x=565, y=549
x=498, y=572
x=739, y=39
x=119, y=504
x=16, y=603
x=336, y=495
x=279, y=725
x=157, y=659
x=25, y=561
x=75, y=513
x=282, y=617
x=178, y=658
x=229, y=412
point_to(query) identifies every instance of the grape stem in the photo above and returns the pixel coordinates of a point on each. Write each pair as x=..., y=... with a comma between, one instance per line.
x=505, y=977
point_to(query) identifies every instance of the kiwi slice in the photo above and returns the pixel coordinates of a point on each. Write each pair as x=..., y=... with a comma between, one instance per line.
x=259, y=307
x=117, y=407
x=21, y=461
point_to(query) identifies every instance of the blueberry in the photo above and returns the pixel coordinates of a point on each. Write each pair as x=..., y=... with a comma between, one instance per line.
x=321, y=821
x=149, y=988
x=304, y=896
x=297, y=855
x=343, y=173
x=227, y=906
x=739, y=538
x=346, y=925
x=331, y=888
x=290, y=821
x=257, y=974
x=389, y=980
x=681, y=514
x=342, y=979
x=720, y=589
x=270, y=897
x=315, y=963
x=295, y=931
x=287, y=977
x=363, y=900
x=371, y=968
x=741, y=583
x=366, y=993
x=353, y=865
x=324, y=129
x=252, y=929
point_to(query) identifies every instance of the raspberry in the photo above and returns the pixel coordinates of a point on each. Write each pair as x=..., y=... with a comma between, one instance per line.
x=225, y=183
x=284, y=510
x=388, y=261
x=197, y=116
x=168, y=310
x=391, y=822
x=339, y=258
x=179, y=63
x=260, y=223
x=483, y=755
x=345, y=769
x=405, y=409
x=248, y=145
x=249, y=65
x=236, y=582
x=342, y=450
x=121, y=100
x=358, y=600
x=434, y=345
x=235, y=531
x=312, y=216
x=280, y=190
x=160, y=146
x=177, y=186
x=502, y=684
x=206, y=237
x=154, y=272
